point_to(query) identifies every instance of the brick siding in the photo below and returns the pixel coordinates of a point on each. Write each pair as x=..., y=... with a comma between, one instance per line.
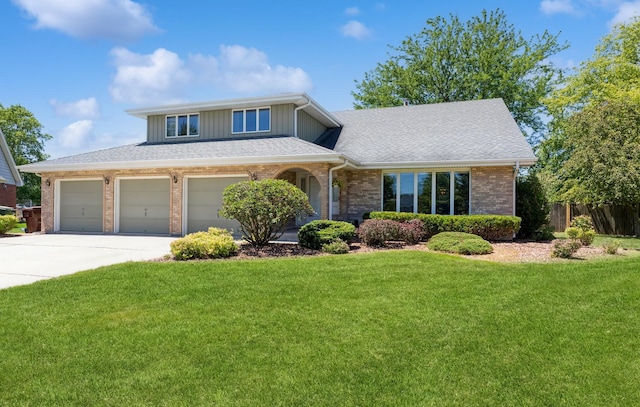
x=8, y=195
x=492, y=190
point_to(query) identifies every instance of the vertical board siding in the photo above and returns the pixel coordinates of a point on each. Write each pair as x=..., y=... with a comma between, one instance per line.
x=155, y=129
x=309, y=129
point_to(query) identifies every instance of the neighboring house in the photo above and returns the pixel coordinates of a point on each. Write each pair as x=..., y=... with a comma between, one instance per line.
x=9, y=176
x=453, y=158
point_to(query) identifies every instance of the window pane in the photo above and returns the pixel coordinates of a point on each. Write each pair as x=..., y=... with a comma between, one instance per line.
x=194, y=125
x=171, y=126
x=406, y=192
x=461, y=198
x=182, y=125
x=424, y=192
x=264, y=119
x=238, y=122
x=389, y=193
x=251, y=120
x=443, y=187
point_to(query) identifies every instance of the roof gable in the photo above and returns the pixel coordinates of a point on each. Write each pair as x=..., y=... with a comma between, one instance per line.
x=457, y=133
x=8, y=172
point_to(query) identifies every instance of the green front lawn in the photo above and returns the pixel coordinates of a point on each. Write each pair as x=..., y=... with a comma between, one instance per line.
x=381, y=329
x=19, y=228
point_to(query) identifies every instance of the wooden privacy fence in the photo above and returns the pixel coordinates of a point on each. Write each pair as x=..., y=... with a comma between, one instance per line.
x=607, y=219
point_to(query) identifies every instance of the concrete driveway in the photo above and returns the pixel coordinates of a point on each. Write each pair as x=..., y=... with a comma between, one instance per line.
x=29, y=258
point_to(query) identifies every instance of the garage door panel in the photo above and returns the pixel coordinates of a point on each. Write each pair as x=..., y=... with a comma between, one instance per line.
x=81, y=206
x=204, y=201
x=145, y=206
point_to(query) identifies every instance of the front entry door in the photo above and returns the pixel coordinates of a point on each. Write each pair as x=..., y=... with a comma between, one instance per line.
x=310, y=186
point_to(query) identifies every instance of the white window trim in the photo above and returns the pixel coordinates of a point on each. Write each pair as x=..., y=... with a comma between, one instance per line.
x=188, y=120
x=433, y=172
x=244, y=120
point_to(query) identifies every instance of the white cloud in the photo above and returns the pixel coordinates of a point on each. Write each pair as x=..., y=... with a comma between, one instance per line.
x=380, y=7
x=625, y=12
x=75, y=134
x=352, y=11
x=356, y=30
x=110, y=19
x=558, y=7
x=153, y=78
x=83, y=108
x=163, y=77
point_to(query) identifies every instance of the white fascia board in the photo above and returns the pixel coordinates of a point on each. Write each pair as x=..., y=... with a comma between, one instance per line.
x=298, y=99
x=197, y=162
x=524, y=162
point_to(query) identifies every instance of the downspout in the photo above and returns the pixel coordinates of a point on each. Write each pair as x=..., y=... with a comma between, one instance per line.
x=295, y=117
x=515, y=176
x=331, y=170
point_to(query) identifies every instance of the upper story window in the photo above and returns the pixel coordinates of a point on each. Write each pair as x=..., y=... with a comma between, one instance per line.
x=183, y=125
x=251, y=120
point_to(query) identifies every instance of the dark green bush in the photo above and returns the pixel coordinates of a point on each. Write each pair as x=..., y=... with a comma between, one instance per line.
x=318, y=233
x=489, y=227
x=336, y=247
x=460, y=243
x=215, y=243
x=7, y=222
x=533, y=208
x=264, y=208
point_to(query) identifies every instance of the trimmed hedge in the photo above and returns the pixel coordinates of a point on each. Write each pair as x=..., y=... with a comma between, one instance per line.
x=376, y=232
x=460, y=243
x=489, y=227
x=212, y=244
x=318, y=233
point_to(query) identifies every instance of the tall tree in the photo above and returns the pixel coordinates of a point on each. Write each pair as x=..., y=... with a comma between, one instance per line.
x=603, y=149
x=26, y=141
x=612, y=73
x=482, y=58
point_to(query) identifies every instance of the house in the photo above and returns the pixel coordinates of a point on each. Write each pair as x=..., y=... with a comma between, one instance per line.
x=451, y=158
x=9, y=176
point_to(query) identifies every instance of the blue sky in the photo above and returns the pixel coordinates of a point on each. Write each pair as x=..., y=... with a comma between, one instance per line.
x=78, y=64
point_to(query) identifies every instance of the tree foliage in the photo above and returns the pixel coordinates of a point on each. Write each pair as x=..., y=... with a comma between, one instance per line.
x=602, y=144
x=264, y=208
x=26, y=139
x=605, y=85
x=532, y=206
x=482, y=58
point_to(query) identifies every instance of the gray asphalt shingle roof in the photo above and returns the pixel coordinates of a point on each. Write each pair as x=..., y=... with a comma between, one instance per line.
x=464, y=133
x=230, y=151
x=481, y=130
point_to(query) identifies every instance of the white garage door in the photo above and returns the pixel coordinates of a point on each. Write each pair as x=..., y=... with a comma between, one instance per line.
x=81, y=206
x=145, y=206
x=204, y=201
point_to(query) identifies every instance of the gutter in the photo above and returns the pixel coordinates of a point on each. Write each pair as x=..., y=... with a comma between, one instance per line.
x=331, y=170
x=295, y=117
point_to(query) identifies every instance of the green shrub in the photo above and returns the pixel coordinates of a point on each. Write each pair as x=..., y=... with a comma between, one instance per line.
x=215, y=243
x=318, y=233
x=533, y=208
x=611, y=247
x=489, y=227
x=377, y=232
x=338, y=246
x=264, y=208
x=582, y=222
x=565, y=248
x=7, y=222
x=581, y=229
x=460, y=243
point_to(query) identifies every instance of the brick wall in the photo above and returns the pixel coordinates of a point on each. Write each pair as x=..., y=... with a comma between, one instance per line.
x=8, y=195
x=363, y=193
x=492, y=190
x=320, y=171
